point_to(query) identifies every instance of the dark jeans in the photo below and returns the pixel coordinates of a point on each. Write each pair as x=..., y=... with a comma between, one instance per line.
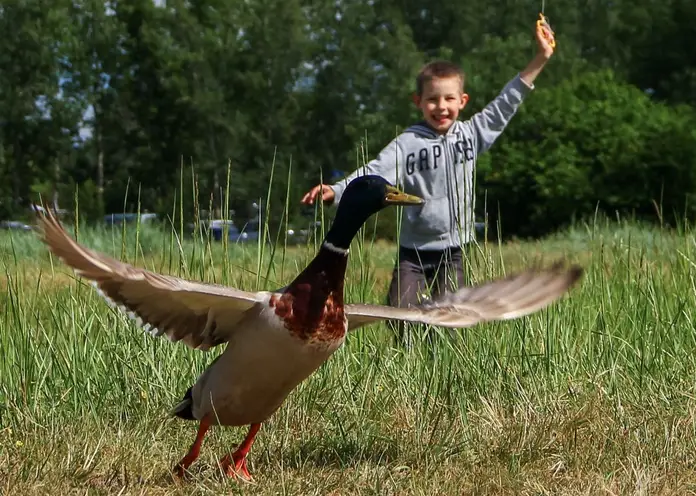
x=419, y=275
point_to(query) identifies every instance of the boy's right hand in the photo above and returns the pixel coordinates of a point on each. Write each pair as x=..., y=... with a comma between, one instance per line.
x=327, y=194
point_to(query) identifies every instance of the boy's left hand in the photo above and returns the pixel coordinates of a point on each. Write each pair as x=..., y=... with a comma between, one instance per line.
x=545, y=39
x=546, y=43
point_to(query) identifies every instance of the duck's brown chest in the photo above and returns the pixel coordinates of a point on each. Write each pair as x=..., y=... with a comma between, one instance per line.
x=312, y=305
x=310, y=313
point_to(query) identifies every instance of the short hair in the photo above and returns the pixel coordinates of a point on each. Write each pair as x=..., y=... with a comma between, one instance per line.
x=437, y=69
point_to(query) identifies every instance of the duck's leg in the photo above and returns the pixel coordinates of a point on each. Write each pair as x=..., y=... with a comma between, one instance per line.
x=236, y=464
x=195, y=449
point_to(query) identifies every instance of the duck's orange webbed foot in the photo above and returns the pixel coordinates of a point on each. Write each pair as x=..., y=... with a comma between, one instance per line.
x=194, y=451
x=235, y=465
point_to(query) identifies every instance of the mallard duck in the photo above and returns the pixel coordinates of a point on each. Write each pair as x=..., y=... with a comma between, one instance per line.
x=277, y=339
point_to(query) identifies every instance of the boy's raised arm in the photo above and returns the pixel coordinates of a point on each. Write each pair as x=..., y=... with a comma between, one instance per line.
x=490, y=122
x=545, y=44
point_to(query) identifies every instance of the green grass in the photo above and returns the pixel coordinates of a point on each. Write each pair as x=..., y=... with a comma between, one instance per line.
x=593, y=396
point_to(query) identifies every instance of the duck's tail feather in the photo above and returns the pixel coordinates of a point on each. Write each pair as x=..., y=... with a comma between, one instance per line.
x=184, y=409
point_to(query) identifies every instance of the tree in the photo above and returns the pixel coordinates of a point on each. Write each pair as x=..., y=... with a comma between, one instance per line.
x=591, y=141
x=38, y=123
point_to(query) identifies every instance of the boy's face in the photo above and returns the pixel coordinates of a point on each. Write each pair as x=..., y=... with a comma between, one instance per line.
x=441, y=101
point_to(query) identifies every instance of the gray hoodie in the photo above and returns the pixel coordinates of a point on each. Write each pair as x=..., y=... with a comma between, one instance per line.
x=440, y=169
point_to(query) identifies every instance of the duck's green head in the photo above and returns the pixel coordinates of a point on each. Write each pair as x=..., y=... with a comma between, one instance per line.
x=363, y=197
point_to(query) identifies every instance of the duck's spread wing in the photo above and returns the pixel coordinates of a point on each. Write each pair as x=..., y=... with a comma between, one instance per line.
x=508, y=298
x=199, y=315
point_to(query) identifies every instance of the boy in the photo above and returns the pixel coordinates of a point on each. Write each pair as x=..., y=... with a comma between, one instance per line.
x=435, y=159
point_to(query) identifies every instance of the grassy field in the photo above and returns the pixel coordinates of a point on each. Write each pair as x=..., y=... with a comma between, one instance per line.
x=592, y=396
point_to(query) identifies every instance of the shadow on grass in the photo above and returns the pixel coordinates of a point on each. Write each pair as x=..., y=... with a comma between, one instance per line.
x=344, y=453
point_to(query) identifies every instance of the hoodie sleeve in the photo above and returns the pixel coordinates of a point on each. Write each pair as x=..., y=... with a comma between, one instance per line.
x=385, y=164
x=490, y=122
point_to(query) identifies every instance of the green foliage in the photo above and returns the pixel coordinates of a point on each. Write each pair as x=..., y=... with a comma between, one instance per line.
x=37, y=125
x=118, y=97
x=591, y=141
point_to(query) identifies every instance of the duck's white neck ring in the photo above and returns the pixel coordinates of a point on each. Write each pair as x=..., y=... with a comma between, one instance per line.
x=335, y=249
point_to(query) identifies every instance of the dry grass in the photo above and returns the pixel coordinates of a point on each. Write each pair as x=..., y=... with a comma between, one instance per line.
x=578, y=446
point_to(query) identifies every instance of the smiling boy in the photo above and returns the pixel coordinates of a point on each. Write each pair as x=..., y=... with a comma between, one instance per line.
x=435, y=159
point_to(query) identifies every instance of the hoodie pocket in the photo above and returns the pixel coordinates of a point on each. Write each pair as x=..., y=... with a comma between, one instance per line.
x=433, y=218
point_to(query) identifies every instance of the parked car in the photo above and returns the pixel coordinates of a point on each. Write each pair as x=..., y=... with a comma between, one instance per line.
x=302, y=236
x=217, y=229
x=15, y=225
x=128, y=218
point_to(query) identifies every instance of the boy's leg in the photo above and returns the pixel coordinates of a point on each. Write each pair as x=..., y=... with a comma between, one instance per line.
x=450, y=275
x=406, y=288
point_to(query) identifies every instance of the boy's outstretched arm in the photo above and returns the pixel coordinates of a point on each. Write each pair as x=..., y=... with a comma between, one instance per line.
x=490, y=122
x=544, y=35
x=384, y=165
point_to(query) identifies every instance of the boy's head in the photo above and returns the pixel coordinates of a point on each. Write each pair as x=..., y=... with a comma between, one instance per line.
x=440, y=94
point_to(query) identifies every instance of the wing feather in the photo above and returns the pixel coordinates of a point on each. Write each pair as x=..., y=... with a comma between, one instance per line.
x=506, y=298
x=200, y=315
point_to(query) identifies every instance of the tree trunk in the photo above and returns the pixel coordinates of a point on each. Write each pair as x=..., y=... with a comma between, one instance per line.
x=56, y=182
x=100, y=170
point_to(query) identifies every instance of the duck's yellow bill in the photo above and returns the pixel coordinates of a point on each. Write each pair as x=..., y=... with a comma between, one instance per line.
x=398, y=197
